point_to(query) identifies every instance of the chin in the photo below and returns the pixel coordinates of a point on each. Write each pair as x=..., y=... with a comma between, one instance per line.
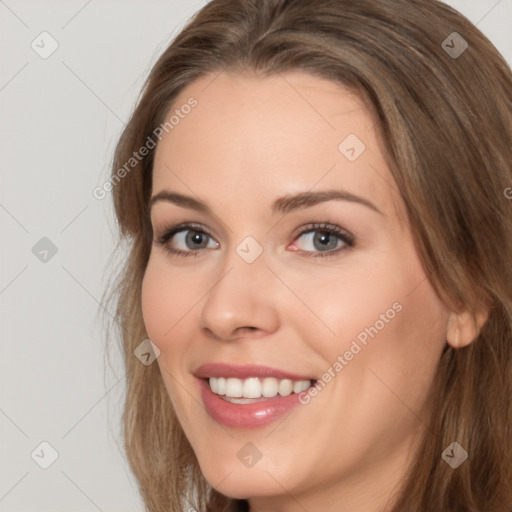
x=243, y=483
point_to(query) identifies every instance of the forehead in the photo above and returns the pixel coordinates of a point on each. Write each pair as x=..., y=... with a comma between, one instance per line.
x=266, y=136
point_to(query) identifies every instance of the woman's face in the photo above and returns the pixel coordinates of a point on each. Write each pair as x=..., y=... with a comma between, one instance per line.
x=322, y=287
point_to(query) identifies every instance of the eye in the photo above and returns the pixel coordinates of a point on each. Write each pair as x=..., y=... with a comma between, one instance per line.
x=190, y=240
x=323, y=240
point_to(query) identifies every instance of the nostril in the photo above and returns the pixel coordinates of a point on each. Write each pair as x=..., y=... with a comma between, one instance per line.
x=247, y=329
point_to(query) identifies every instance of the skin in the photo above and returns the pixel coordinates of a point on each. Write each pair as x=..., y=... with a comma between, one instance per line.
x=249, y=141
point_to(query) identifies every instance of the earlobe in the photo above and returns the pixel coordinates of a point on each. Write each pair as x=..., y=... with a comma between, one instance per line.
x=456, y=342
x=463, y=328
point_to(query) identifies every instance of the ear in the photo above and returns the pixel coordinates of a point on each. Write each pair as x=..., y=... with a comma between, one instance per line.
x=463, y=327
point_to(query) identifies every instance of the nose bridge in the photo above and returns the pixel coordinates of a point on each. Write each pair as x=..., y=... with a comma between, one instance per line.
x=239, y=297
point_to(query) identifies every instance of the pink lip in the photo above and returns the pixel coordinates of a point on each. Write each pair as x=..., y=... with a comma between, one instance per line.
x=245, y=371
x=248, y=416
x=253, y=415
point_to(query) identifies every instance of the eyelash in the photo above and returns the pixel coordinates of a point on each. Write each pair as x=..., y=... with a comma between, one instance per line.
x=326, y=228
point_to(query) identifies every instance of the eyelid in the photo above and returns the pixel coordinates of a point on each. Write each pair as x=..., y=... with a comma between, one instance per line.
x=347, y=238
x=324, y=226
x=342, y=234
x=169, y=231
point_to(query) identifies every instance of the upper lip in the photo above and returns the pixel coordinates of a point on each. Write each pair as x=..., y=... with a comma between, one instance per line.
x=245, y=371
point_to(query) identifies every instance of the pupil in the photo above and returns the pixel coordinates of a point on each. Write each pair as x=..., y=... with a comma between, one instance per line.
x=196, y=238
x=324, y=239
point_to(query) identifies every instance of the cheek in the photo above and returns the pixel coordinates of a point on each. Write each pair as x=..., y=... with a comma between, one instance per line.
x=390, y=340
x=403, y=331
x=164, y=312
x=386, y=318
x=419, y=335
x=346, y=308
x=154, y=303
x=164, y=301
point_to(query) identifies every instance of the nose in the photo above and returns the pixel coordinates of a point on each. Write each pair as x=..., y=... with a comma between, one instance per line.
x=241, y=302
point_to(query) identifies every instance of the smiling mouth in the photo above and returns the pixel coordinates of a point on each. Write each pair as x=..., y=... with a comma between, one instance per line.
x=255, y=389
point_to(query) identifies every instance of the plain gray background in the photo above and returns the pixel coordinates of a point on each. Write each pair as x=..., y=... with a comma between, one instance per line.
x=60, y=119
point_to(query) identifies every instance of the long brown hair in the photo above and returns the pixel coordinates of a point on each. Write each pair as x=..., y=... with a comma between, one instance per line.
x=444, y=115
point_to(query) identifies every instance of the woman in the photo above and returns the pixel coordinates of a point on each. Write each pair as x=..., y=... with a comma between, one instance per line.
x=315, y=197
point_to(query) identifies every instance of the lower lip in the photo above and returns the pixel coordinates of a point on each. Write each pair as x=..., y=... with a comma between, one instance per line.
x=253, y=415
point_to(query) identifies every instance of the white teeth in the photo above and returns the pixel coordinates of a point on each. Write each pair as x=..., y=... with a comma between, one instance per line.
x=301, y=385
x=234, y=388
x=253, y=387
x=270, y=388
x=285, y=387
x=221, y=386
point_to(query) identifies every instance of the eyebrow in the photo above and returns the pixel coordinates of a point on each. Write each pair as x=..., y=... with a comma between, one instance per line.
x=282, y=205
